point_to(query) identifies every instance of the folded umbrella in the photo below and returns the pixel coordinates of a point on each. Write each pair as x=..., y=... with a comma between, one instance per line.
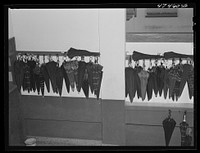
x=183, y=129
x=168, y=125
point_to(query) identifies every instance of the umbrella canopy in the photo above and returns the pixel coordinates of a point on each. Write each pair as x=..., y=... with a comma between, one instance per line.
x=183, y=128
x=168, y=125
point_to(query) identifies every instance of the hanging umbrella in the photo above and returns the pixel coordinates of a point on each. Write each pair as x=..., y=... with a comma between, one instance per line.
x=168, y=125
x=183, y=129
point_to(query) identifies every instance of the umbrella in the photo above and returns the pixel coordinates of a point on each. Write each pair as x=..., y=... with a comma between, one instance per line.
x=168, y=125
x=183, y=128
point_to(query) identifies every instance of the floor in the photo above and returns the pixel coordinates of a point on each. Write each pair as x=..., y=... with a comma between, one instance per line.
x=49, y=141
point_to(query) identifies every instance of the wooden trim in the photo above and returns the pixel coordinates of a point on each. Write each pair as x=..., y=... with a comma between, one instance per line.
x=159, y=37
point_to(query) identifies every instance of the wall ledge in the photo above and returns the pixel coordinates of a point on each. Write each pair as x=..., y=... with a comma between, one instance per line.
x=157, y=106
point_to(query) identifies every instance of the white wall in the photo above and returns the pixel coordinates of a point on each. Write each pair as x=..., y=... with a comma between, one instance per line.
x=55, y=29
x=154, y=48
x=112, y=46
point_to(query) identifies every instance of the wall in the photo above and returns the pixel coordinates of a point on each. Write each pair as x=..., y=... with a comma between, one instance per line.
x=10, y=35
x=15, y=111
x=55, y=29
x=10, y=25
x=90, y=29
x=144, y=118
x=16, y=132
x=166, y=24
x=144, y=125
x=112, y=46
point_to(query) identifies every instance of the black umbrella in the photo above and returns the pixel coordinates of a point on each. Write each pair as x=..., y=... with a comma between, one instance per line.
x=168, y=125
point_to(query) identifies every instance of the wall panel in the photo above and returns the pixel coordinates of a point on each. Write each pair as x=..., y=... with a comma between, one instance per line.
x=144, y=125
x=63, y=129
x=62, y=108
x=113, y=117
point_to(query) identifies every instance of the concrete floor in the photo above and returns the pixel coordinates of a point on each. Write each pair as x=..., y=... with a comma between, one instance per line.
x=49, y=141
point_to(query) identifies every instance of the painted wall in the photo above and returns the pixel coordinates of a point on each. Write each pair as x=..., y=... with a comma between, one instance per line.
x=112, y=46
x=140, y=23
x=55, y=29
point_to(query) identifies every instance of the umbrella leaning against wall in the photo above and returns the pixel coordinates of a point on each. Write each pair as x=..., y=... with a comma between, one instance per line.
x=186, y=137
x=168, y=124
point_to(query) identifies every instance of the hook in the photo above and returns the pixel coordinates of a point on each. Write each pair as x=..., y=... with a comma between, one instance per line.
x=38, y=59
x=156, y=62
x=63, y=58
x=166, y=63
x=129, y=60
x=82, y=58
x=180, y=61
x=162, y=61
x=137, y=63
x=169, y=113
x=173, y=62
x=143, y=63
x=18, y=56
x=191, y=62
x=43, y=58
x=150, y=63
x=90, y=59
x=57, y=58
x=29, y=56
x=50, y=58
x=96, y=60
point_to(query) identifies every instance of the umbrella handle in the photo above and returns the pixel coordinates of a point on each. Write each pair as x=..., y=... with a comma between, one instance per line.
x=184, y=116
